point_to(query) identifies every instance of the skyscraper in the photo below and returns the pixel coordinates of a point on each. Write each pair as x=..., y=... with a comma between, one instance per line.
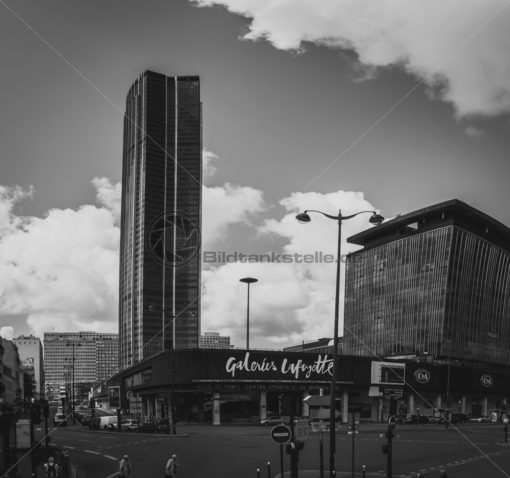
x=432, y=282
x=159, y=284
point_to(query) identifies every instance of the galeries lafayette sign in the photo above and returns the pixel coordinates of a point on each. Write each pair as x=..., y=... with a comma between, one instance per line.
x=292, y=368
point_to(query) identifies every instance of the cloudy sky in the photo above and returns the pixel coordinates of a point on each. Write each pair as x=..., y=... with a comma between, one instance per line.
x=318, y=104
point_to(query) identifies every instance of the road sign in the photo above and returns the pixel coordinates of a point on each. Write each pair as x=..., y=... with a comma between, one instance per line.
x=281, y=434
x=302, y=430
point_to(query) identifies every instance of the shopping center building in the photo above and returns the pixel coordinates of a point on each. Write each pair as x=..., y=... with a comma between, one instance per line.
x=221, y=386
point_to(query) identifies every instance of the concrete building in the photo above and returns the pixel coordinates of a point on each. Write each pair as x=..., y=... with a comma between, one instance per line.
x=159, y=283
x=82, y=358
x=11, y=377
x=434, y=282
x=31, y=357
x=213, y=340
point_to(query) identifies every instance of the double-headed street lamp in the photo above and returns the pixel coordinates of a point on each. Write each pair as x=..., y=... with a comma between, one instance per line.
x=248, y=281
x=304, y=218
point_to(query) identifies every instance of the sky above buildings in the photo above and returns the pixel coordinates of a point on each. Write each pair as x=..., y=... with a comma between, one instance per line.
x=310, y=104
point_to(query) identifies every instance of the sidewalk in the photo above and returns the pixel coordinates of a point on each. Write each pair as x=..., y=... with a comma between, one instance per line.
x=24, y=468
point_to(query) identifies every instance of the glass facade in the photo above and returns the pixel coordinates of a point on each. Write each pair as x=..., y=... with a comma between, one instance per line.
x=440, y=288
x=159, y=297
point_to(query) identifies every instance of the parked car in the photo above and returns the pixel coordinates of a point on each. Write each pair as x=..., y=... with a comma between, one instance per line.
x=154, y=426
x=273, y=420
x=416, y=419
x=59, y=420
x=482, y=419
x=130, y=425
x=125, y=426
x=459, y=418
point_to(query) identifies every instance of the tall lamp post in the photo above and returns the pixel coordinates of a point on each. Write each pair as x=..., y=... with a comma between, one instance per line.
x=248, y=281
x=305, y=218
x=73, y=345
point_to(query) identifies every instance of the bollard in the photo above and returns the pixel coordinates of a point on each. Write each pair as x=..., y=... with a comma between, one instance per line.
x=258, y=472
x=364, y=470
x=442, y=474
x=268, y=469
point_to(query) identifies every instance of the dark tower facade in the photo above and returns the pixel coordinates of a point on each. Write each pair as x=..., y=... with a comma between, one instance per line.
x=433, y=282
x=159, y=282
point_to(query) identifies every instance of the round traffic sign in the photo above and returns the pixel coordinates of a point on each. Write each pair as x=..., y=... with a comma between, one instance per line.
x=281, y=434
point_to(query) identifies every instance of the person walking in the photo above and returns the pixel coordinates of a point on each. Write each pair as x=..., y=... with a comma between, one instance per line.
x=124, y=467
x=51, y=468
x=171, y=467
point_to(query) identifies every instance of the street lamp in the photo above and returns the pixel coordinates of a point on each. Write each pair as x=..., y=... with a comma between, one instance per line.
x=73, y=345
x=248, y=280
x=305, y=218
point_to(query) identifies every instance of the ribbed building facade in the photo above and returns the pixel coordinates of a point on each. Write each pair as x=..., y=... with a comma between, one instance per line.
x=79, y=358
x=159, y=283
x=433, y=282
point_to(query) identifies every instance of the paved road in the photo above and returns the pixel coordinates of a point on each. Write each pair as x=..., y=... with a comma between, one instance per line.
x=471, y=451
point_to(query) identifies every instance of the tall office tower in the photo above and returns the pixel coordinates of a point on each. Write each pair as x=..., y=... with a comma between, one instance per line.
x=433, y=282
x=31, y=356
x=80, y=359
x=159, y=284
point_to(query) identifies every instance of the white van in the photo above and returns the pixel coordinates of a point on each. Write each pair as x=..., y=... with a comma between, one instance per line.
x=104, y=422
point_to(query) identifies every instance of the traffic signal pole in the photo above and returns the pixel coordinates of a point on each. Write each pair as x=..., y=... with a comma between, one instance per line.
x=389, y=450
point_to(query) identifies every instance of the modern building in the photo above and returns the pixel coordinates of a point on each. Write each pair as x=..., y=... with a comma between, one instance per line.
x=213, y=340
x=319, y=346
x=159, y=286
x=11, y=376
x=78, y=358
x=434, y=282
x=30, y=352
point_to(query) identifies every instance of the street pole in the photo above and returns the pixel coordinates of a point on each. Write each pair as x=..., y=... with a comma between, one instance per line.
x=332, y=402
x=305, y=218
x=248, y=281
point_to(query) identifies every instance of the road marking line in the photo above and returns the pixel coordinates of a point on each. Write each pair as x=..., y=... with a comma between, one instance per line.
x=115, y=474
x=69, y=447
x=93, y=452
x=110, y=457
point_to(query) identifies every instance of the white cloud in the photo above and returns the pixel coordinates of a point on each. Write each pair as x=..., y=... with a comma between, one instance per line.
x=461, y=45
x=209, y=168
x=59, y=271
x=475, y=133
x=227, y=205
x=109, y=196
x=7, y=332
x=292, y=301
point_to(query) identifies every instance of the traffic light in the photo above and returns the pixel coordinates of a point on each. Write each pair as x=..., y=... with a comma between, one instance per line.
x=385, y=449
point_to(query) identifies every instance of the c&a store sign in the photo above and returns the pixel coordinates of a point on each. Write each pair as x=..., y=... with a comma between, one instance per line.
x=319, y=367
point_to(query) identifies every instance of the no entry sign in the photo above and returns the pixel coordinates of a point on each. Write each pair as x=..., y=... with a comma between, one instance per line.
x=280, y=434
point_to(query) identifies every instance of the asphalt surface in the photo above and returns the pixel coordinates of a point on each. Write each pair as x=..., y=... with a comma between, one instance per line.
x=467, y=451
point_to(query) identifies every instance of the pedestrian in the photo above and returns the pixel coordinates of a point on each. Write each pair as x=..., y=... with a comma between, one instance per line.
x=171, y=467
x=124, y=467
x=51, y=468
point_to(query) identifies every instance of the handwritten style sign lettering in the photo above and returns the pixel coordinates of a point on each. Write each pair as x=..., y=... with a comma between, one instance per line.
x=296, y=369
